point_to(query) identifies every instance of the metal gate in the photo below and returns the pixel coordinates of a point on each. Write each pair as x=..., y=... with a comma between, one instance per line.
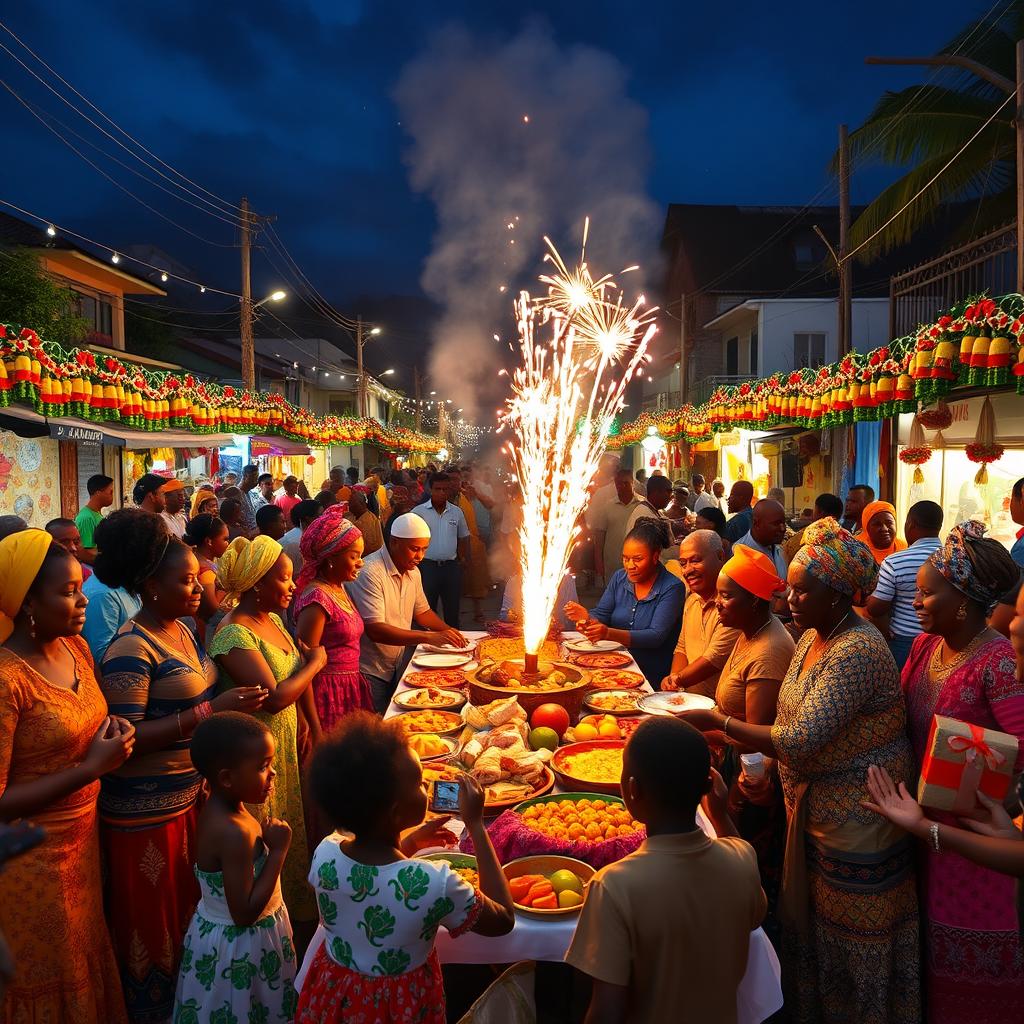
x=919, y=295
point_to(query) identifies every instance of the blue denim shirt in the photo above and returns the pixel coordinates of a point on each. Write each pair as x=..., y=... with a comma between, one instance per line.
x=653, y=622
x=1017, y=551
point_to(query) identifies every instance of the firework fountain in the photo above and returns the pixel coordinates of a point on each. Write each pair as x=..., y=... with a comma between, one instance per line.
x=564, y=397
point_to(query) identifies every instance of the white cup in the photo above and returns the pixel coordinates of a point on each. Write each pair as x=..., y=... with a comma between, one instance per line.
x=753, y=765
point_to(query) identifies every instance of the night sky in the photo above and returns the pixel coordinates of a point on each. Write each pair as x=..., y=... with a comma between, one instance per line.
x=294, y=104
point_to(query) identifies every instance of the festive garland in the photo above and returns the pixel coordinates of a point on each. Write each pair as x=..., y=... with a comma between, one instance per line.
x=979, y=342
x=56, y=382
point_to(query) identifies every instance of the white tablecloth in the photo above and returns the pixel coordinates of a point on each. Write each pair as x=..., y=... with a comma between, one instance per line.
x=758, y=997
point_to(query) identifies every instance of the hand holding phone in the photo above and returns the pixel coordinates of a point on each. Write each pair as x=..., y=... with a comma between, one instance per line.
x=444, y=799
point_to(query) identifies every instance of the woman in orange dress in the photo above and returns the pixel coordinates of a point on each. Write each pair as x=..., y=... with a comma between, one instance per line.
x=56, y=740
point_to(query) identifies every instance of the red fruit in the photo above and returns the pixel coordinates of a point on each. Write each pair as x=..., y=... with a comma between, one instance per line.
x=551, y=716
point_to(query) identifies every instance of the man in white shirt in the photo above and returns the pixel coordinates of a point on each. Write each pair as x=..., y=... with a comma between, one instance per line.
x=388, y=593
x=701, y=497
x=891, y=604
x=174, y=502
x=610, y=525
x=767, y=532
x=301, y=516
x=447, y=552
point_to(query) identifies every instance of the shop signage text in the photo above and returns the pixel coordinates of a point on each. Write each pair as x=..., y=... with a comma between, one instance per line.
x=60, y=432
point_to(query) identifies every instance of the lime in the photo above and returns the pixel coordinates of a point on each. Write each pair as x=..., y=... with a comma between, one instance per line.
x=543, y=737
x=567, y=898
x=566, y=881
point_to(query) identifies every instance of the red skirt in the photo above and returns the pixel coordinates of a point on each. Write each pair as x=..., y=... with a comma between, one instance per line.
x=151, y=894
x=333, y=994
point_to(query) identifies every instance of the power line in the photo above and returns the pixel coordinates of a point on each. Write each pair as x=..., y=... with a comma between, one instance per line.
x=99, y=170
x=116, y=252
x=230, y=210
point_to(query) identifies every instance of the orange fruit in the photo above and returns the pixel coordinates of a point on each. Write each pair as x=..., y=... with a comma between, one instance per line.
x=585, y=731
x=609, y=728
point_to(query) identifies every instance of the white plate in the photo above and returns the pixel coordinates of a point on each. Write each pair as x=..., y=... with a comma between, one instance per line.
x=427, y=660
x=437, y=649
x=404, y=700
x=586, y=647
x=674, y=703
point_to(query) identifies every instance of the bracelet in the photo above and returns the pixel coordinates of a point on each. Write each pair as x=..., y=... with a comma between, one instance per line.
x=725, y=724
x=933, y=831
x=203, y=711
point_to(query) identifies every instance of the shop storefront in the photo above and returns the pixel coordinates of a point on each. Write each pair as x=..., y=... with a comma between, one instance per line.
x=949, y=476
x=283, y=458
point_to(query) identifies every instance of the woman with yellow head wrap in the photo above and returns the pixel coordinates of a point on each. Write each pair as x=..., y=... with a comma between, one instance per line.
x=840, y=709
x=251, y=646
x=56, y=740
x=204, y=500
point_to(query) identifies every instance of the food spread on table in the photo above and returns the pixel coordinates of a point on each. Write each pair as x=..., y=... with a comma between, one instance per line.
x=443, y=678
x=614, y=701
x=499, y=758
x=511, y=674
x=600, y=764
x=609, y=659
x=615, y=679
x=429, y=721
x=580, y=819
x=428, y=745
x=499, y=649
x=431, y=698
x=562, y=889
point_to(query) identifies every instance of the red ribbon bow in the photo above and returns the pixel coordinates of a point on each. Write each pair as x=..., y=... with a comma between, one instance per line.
x=975, y=745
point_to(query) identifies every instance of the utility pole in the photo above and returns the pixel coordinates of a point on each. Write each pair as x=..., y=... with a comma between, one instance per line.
x=248, y=348
x=418, y=408
x=683, y=344
x=361, y=387
x=1004, y=85
x=845, y=268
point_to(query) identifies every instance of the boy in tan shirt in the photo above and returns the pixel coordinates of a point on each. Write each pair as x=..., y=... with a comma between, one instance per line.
x=664, y=933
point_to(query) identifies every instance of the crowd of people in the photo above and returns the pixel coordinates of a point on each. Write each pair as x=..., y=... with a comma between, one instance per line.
x=193, y=692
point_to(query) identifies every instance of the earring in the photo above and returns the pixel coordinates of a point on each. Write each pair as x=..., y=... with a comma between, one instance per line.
x=961, y=612
x=31, y=626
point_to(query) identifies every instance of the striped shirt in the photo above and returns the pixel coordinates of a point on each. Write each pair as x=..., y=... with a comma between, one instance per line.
x=897, y=584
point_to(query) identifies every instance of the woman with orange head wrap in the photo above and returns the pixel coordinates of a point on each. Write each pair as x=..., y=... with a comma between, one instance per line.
x=879, y=519
x=748, y=690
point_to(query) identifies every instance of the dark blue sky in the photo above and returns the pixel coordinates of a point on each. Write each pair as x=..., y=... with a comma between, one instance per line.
x=292, y=104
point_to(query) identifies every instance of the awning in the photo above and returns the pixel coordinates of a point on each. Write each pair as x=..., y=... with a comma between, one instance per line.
x=276, y=446
x=27, y=423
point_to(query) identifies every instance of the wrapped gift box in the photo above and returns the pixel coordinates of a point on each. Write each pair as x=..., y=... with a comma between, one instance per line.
x=961, y=759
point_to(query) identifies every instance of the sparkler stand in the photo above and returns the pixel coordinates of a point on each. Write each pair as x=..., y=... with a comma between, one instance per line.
x=530, y=663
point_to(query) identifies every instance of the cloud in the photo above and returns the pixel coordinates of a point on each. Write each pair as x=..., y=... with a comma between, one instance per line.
x=525, y=132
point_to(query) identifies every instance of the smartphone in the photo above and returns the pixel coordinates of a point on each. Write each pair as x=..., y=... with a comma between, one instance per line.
x=445, y=797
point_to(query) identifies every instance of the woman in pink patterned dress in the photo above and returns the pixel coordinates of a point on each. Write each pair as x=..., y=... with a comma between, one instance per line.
x=961, y=668
x=332, y=551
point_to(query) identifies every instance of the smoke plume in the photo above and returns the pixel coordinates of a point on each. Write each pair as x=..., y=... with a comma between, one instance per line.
x=524, y=133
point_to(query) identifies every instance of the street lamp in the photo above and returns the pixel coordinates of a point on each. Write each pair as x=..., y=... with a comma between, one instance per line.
x=272, y=297
x=361, y=393
x=386, y=372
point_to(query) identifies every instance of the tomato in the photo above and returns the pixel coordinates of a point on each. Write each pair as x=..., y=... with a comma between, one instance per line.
x=551, y=716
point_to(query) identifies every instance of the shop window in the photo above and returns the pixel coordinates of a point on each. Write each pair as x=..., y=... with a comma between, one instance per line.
x=732, y=357
x=808, y=350
x=949, y=481
x=96, y=311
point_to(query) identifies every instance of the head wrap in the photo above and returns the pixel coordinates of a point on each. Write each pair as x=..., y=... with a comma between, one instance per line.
x=754, y=572
x=205, y=493
x=244, y=564
x=871, y=510
x=326, y=535
x=832, y=555
x=955, y=564
x=21, y=556
x=361, y=488
x=410, y=527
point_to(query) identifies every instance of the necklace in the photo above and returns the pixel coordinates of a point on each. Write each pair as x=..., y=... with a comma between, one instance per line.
x=835, y=629
x=759, y=630
x=176, y=643
x=940, y=669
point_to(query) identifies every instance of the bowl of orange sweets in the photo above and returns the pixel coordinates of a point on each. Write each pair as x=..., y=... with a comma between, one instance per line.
x=578, y=817
x=547, y=885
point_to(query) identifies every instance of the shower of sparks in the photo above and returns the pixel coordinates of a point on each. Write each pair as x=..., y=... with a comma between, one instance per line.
x=564, y=398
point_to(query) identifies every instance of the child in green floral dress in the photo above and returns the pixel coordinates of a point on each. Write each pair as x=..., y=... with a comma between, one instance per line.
x=238, y=964
x=379, y=910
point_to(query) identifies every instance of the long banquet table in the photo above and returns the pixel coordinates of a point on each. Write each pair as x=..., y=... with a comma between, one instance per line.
x=758, y=996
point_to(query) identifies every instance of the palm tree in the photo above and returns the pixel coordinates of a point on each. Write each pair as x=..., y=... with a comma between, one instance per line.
x=923, y=127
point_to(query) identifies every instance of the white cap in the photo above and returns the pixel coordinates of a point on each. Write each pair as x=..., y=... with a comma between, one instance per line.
x=410, y=527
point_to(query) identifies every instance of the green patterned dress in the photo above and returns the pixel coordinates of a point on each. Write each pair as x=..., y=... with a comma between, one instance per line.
x=231, y=974
x=373, y=956
x=286, y=800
